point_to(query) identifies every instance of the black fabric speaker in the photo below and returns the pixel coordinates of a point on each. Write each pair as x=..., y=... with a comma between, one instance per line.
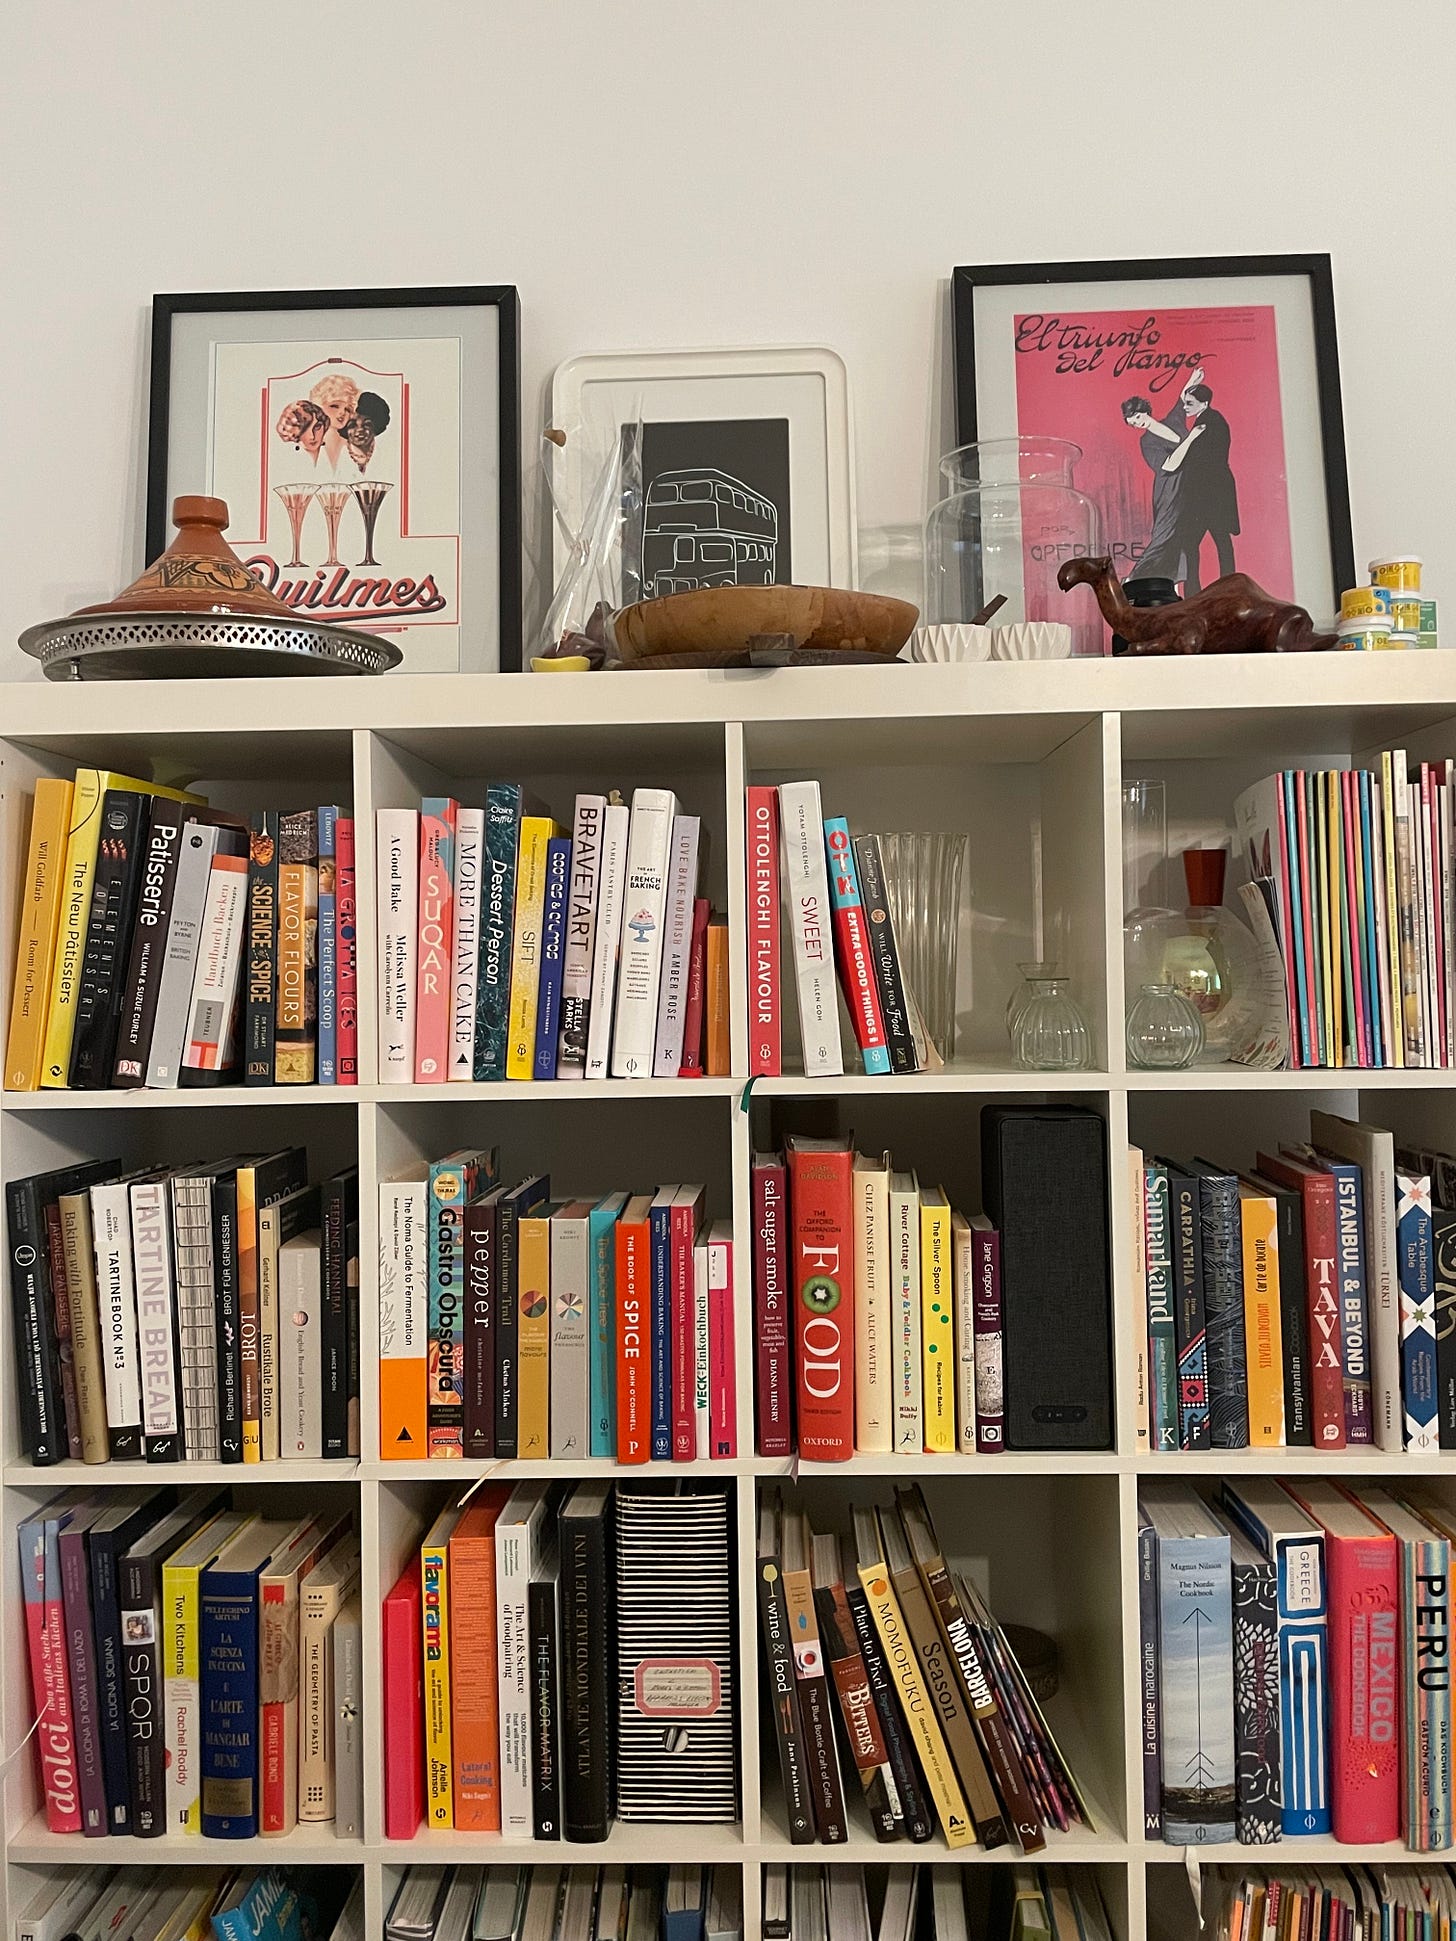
x=1044, y=1188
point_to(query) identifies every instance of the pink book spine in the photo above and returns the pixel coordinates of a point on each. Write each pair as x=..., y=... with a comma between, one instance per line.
x=1438, y=927
x=1350, y=816
x=433, y=1017
x=765, y=1048
x=346, y=925
x=1301, y=810
x=722, y=1377
x=55, y=1736
x=986, y=1323
x=695, y=1011
x=1361, y=1576
x=684, y=1335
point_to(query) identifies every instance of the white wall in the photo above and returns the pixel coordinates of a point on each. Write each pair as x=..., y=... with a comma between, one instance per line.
x=668, y=173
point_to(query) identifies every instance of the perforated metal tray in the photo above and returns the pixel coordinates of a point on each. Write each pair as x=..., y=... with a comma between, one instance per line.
x=201, y=646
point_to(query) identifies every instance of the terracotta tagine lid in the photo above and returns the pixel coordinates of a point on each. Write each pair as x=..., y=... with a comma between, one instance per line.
x=198, y=573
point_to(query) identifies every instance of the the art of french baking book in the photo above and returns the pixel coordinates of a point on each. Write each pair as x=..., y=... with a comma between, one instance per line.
x=811, y=927
x=644, y=904
x=397, y=877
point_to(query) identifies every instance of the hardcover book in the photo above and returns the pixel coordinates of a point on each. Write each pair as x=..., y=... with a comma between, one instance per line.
x=990, y=1416
x=435, y=1608
x=520, y=1532
x=474, y=1688
x=296, y=1035
x=1424, y=1534
x=397, y=839
x=553, y=949
x=503, y=801
x=1257, y=1761
x=1294, y=1313
x=465, y=941
x=585, y=1530
x=229, y=1662
x=853, y=955
x=404, y=1318
x=453, y=1183
x=764, y=999
x=346, y=914
x=536, y=835
x=124, y=816
x=587, y=831
x=434, y=1004
x=1195, y=1659
x=895, y=1007
x=326, y=1587
x=327, y=946
x=677, y=941
x=606, y=944
x=402, y=1655
x=644, y=901
x=815, y=1705
x=1186, y=1253
x=1320, y=1268
x=806, y=886
x=39, y=926
x=823, y=1268
x=280, y=1667
x=772, y=1297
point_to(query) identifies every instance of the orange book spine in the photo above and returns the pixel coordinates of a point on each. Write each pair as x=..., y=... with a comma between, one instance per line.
x=474, y=1694
x=634, y=1428
x=719, y=1040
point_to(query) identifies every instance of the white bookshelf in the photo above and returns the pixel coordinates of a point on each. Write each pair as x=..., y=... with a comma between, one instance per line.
x=1028, y=760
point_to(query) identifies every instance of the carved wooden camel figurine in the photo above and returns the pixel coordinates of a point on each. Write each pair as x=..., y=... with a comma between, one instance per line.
x=1233, y=616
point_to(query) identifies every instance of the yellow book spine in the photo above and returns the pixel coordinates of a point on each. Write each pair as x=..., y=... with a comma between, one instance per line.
x=40, y=922
x=182, y=1677
x=439, y=1764
x=1262, y=1332
x=82, y=842
x=533, y=1339
x=937, y=1326
x=1392, y=909
x=536, y=832
x=940, y=1776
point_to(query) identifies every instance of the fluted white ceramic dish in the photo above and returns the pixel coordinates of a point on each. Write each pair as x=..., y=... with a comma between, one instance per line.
x=1032, y=640
x=950, y=643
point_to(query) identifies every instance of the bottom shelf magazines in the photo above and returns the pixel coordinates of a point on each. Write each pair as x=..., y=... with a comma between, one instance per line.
x=1361, y=1903
x=933, y=1904
x=197, y=1904
x=567, y=1904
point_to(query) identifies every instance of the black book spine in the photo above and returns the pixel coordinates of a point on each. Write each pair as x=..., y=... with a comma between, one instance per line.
x=545, y=1755
x=885, y=953
x=1186, y=1253
x=1221, y=1239
x=506, y=1334
x=852, y=1695
x=37, y=1363
x=334, y=1321
x=146, y=1748
x=227, y=1319
x=913, y=1804
x=110, y=1679
x=478, y=1378
x=773, y=1617
x=148, y=942
x=1257, y=1750
x=260, y=1009
x=351, y=1320
x=586, y=1676
x=1293, y=1317
x=1443, y=1248
x=108, y=938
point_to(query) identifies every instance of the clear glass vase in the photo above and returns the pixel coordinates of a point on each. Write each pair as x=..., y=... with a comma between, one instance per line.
x=1010, y=517
x=1211, y=957
x=1021, y=996
x=1051, y=1034
x=924, y=881
x=1164, y=1031
x=1148, y=922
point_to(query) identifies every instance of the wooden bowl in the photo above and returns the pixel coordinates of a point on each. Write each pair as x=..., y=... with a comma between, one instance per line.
x=714, y=625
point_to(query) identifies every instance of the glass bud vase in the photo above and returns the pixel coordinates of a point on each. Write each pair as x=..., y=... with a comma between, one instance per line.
x=1211, y=958
x=1021, y=995
x=1051, y=1033
x=924, y=877
x=1164, y=1031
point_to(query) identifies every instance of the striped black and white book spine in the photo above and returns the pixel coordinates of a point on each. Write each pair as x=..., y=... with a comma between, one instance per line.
x=151, y=1247
x=469, y=852
x=587, y=828
x=607, y=943
x=300, y=1368
x=811, y=927
x=196, y=1313
x=179, y=965
x=571, y=1330
x=397, y=834
x=116, y=1302
x=644, y=909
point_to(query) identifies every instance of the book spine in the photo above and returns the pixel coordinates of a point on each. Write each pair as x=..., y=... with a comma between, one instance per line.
x=401, y=1654
x=905, y=1308
x=404, y=1307
x=80, y=1263
x=80, y=1654
x=296, y=1032
x=1354, y=1317
x=861, y=1741
x=300, y=1377
x=1363, y=1627
x=116, y=1295
x=684, y=1365
x=823, y=1243
x=1294, y=1320
x=587, y=830
x=989, y=1337
x=634, y=1383
x=874, y=1394
x=227, y=1319
x=497, y=906
x=937, y=1331
x=533, y=1352
x=39, y=925
x=1256, y=1703
x=327, y=945
x=773, y=1332
x=474, y=1684
x=545, y=1698
x=319, y=1607
x=783, y=1696
x=816, y=1716
x=607, y=941
x=229, y=1661
x=146, y=1749
x=192, y=1251
x=1223, y=1300
x=182, y=1695
x=152, y=1257
x=200, y=845
x=49, y=1677
x=885, y=955
x=1262, y=1332
x=765, y=1024
x=480, y=1298
x=278, y=1685
x=1162, y=1326
x=1195, y=1645
x=397, y=877
x=570, y=1324
x=806, y=889
x=82, y=840
x=603, y=1320
x=348, y=1723
x=465, y=934
x=920, y=1716
x=103, y=1548
x=661, y=1331
x=449, y=1189
x=639, y=973
x=1188, y=1311
x=333, y=1342
x=261, y=987
x=695, y=1010
x=536, y=835
x=940, y=1677
x=586, y=1756
x=856, y=966
x=60, y=1295
x=717, y=1031
x=507, y=1333
x=211, y=1048
x=346, y=924
x=108, y=937
x=964, y=1252
x=1443, y=1253
x=1322, y=1310
x=1426, y=1725
x=1415, y=1277
x=553, y=949
x=435, y=1645
x=677, y=943
x=37, y=1361
x=1303, y=1685
x=514, y=1543
x=434, y=1010
x=1149, y=1693
x=914, y=1810
x=702, y=1348
x=722, y=1355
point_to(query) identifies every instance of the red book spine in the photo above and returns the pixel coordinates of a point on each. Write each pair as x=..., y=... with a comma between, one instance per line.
x=765, y=1048
x=271, y=1800
x=346, y=925
x=774, y=1386
x=634, y=1384
x=433, y=1018
x=1364, y=1723
x=823, y=1281
x=722, y=1408
x=987, y=1330
x=695, y=1009
x=50, y=1684
x=682, y=1294
x=404, y=1708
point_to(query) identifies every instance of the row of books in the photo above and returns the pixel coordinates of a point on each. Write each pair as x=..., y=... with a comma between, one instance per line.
x=512, y=949
x=930, y=1713
x=933, y=1904
x=1293, y=1653
x=1297, y=1304
x=512, y=1325
x=1356, y=866
x=193, y=1904
x=541, y=1644
x=567, y=1904
x=248, y=1630
x=166, y=944
x=1329, y=1904
x=207, y=1313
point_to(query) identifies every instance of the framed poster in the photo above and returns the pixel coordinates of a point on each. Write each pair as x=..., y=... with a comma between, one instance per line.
x=740, y=464
x=367, y=443
x=1203, y=394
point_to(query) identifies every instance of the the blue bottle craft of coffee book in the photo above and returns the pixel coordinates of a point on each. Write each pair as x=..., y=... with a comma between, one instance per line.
x=228, y=1646
x=553, y=954
x=1195, y=1666
x=1258, y=1791
x=1276, y=1526
x=503, y=803
x=1416, y=1283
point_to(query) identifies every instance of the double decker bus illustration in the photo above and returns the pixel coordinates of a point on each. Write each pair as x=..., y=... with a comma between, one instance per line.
x=704, y=527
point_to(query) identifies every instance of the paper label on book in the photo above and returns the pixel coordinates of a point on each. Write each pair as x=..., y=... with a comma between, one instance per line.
x=677, y=1688
x=1302, y=1590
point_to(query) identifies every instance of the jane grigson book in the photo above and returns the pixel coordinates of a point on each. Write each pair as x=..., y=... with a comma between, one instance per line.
x=887, y=1322
x=194, y=1667
x=166, y=944
x=207, y=1313
x=512, y=946
x=540, y=1644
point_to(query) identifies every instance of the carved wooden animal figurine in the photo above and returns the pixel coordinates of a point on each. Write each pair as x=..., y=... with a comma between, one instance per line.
x=1233, y=616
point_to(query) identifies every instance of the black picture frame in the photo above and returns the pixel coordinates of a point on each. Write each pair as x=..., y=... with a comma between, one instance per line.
x=504, y=298
x=1313, y=266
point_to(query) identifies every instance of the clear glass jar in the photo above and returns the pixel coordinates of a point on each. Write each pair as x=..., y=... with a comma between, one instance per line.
x=1021, y=995
x=1211, y=958
x=1147, y=920
x=1051, y=1034
x=1164, y=1032
x=1011, y=517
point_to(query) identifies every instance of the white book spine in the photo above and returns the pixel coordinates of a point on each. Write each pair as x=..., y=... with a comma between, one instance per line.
x=212, y=1011
x=571, y=1335
x=677, y=944
x=300, y=1398
x=963, y=1276
x=644, y=903
x=318, y=1606
x=404, y=1272
x=607, y=943
x=397, y=836
x=196, y=1315
x=62, y=1914
x=514, y=1555
x=874, y=1357
x=116, y=1300
x=151, y=1247
x=905, y=1269
x=348, y=1724
x=810, y=923
x=702, y=1411
x=469, y=849
x=179, y=965
x=577, y=963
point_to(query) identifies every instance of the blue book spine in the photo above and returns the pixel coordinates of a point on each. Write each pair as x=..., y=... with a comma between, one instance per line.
x=1416, y=1277
x=110, y=1680
x=228, y=1662
x=845, y=895
x=328, y=952
x=602, y=1229
x=659, y=1223
x=1162, y=1333
x=1354, y=1313
x=1196, y=1674
x=553, y=949
x=497, y=921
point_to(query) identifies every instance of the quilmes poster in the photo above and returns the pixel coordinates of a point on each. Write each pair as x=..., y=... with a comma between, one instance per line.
x=1179, y=417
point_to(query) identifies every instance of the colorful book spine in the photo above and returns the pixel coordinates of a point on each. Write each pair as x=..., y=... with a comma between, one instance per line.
x=885, y=955
x=536, y=835
x=806, y=886
x=39, y=928
x=230, y=1710
x=606, y=945
x=40, y=1576
x=1186, y=1251
x=1162, y=1326
x=717, y=1024
x=1426, y=1722
x=634, y=1374
x=260, y=1004
x=397, y=876
x=497, y=905
x=1354, y=1320
x=937, y=1322
x=823, y=1264
x=855, y=961
x=587, y=831
x=783, y=1699
x=1415, y=1278
x=772, y=1307
x=570, y=1332
x=1321, y=1288
x=435, y=1617
x=452, y=1183
x=533, y=1345
x=211, y=1046
x=346, y=924
x=722, y=1352
x=296, y=1061
x=404, y=1319
x=689, y=1358
x=602, y=1319
x=764, y=1001
x=402, y=1656
x=434, y=1007
x=465, y=941
x=1149, y=1693
x=905, y=1311
x=1262, y=1333
x=988, y=1346
x=553, y=949
x=1362, y=1579
x=660, y=1322
x=328, y=946
x=109, y=927
x=1221, y=1245
x=474, y=1674
x=695, y=1013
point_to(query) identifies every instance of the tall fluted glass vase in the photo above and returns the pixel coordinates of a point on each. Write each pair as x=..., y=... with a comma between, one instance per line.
x=924, y=879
